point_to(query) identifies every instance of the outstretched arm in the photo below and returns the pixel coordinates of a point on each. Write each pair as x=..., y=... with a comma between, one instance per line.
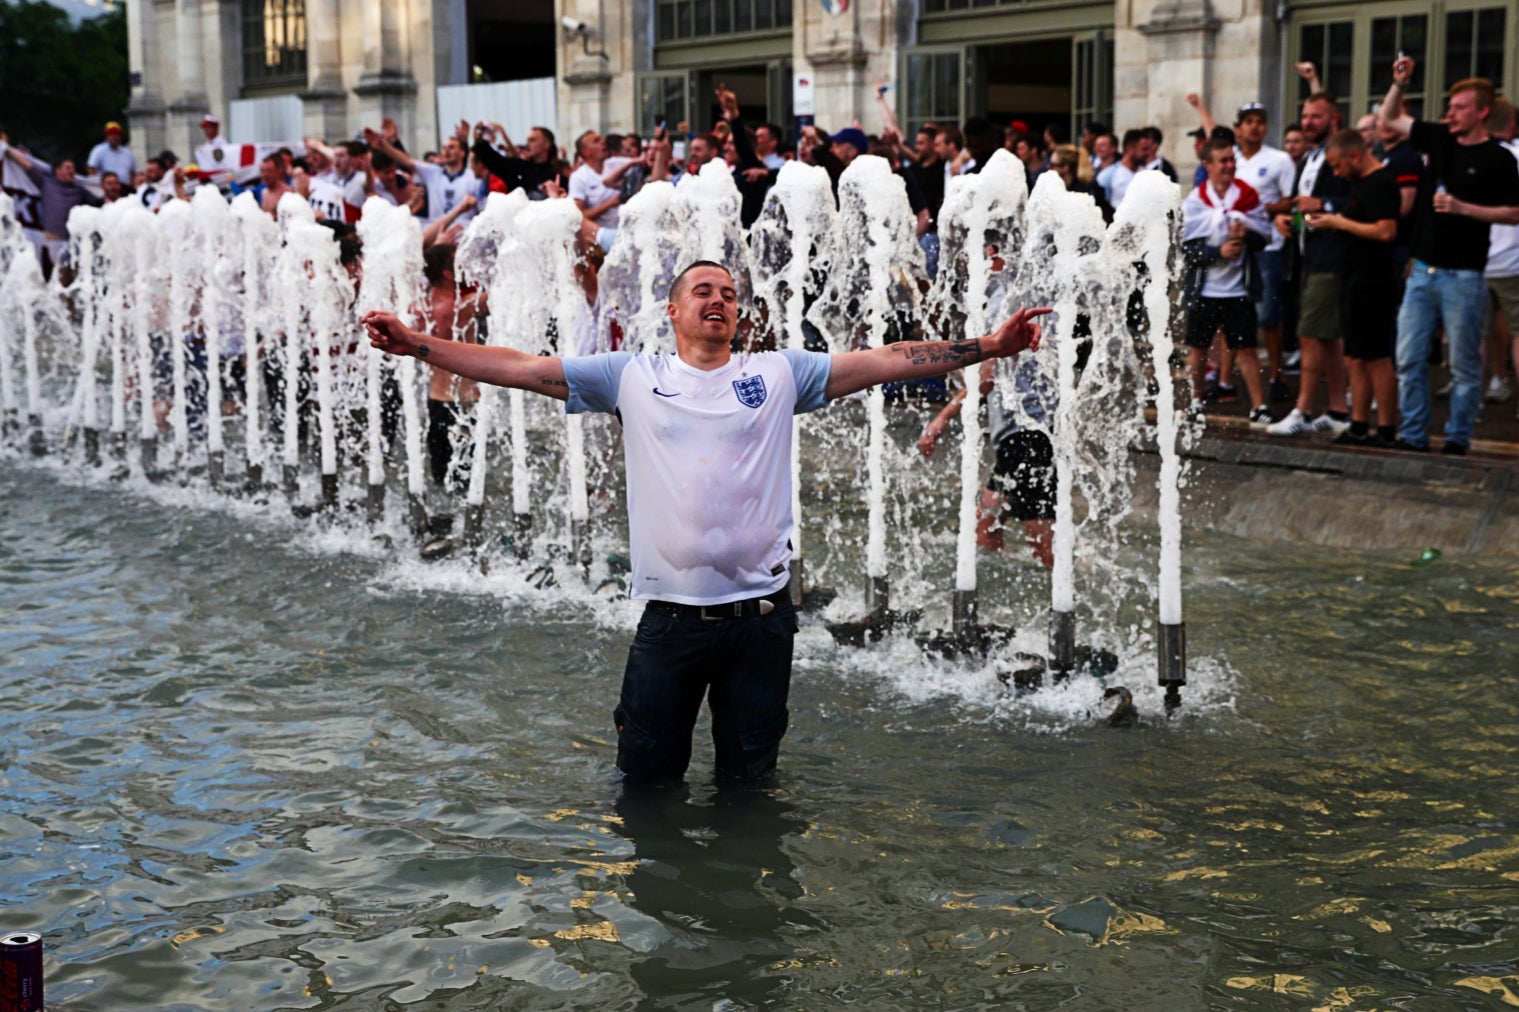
x=380, y=142
x=1391, y=110
x=1204, y=117
x=909, y=360
x=503, y=367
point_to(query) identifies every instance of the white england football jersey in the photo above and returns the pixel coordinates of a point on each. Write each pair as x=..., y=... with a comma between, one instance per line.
x=1272, y=175
x=326, y=196
x=444, y=189
x=709, y=465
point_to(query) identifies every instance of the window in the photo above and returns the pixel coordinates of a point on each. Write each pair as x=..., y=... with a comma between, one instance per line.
x=274, y=43
x=933, y=88
x=1474, y=45
x=677, y=20
x=1391, y=36
x=1330, y=47
x=661, y=97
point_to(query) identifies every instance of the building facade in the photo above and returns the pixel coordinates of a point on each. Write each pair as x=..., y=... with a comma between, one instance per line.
x=624, y=64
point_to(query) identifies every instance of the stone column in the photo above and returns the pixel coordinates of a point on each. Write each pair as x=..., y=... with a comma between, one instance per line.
x=145, y=109
x=387, y=87
x=222, y=56
x=324, y=103
x=587, y=77
x=833, y=48
x=189, y=104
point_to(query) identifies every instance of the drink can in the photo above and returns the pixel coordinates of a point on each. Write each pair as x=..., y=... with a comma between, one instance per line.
x=21, y=972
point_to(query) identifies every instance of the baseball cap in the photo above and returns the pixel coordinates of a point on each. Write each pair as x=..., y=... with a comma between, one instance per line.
x=1222, y=133
x=1249, y=107
x=1199, y=133
x=210, y=118
x=855, y=136
x=168, y=157
x=113, y=127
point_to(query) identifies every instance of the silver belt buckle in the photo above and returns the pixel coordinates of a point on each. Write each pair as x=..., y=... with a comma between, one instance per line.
x=766, y=606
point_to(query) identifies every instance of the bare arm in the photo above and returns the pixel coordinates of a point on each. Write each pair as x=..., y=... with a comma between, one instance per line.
x=1444, y=203
x=1391, y=110
x=431, y=232
x=1385, y=230
x=16, y=155
x=1204, y=117
x=1309, y=73
x=908, y=360
x=936, y=428
x=377, y=140
x=888, y=116
x=317, y=145
x=502, y=367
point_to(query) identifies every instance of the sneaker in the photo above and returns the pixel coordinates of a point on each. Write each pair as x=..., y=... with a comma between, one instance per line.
x=1295, y=424
x=1227, y=394
x=1278, y=391
x=1402, y=444
x=1294, y=363
x=1260, y=417
x=1330, y=424
x=1348, y=438
x=1446, y=389
x=1452, y=449
x=1499, y=389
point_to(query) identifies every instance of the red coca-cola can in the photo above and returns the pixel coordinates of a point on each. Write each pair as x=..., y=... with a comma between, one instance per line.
x=21, y=972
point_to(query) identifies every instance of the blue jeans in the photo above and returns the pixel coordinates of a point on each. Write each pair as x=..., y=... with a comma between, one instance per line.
x=1437, y=297
x=741, y=665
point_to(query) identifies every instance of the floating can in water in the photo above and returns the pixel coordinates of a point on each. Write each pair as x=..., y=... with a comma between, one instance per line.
x=21, y=972
x=1426, y=557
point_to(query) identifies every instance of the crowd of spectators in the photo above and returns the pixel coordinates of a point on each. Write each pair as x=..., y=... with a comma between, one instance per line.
x=1345, y=253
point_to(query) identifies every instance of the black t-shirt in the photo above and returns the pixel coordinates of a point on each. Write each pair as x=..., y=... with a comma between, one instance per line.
x=1407, y=168
x=1366, y=262
x=1484, y=174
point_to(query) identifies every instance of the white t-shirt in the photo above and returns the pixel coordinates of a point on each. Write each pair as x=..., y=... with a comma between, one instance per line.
x=1503, y=242
x=586, y=186
x=152, y=195
x=120, y=161
x=1118, y=183
x=444, y=190
x=709, y=465
x=217, y=154
x=1271, y=174
x=327, y=197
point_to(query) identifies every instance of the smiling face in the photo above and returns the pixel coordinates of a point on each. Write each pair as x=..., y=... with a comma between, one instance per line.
x=704, y=305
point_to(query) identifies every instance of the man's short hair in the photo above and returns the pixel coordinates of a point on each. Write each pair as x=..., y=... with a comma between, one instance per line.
x=548, y=134
x=1324, y=96
x=580, y=142
x=355, y=149
x=1058, y=132
x=381, y=162
x=680, y=278
x=1346, y=140
x=164, y=168
x=111, y=174
x=1131, y=138
x=1153, y=132
x=711, y=139
x=775, y=131
x=437, y=261
x=1481, y=87
x=1217, y=145
x=952, y=135
x=614, y=142
x=1096, y=128
x=1500, y=118
x=930, y=129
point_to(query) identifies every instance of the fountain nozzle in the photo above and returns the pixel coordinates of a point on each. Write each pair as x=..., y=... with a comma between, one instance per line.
x=1172, y=643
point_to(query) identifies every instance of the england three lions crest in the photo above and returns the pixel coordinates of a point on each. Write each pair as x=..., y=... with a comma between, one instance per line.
x=750, y=390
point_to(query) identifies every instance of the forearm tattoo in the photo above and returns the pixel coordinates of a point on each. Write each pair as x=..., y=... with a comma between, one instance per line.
x=551, y=382
x=951, y=353
x=422, y=351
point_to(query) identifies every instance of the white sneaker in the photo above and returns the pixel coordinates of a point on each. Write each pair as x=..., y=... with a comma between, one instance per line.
x=1295, y=424
x=1333, y=426
x=1499, y=389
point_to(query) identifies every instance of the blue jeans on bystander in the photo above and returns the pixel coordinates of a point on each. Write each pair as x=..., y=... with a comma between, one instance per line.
x=1435, y=298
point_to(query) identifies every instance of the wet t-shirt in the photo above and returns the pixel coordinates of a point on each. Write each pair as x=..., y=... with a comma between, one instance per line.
x=1483, y=174
x=708, y=456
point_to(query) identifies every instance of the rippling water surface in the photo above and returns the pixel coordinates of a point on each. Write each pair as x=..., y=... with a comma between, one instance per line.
x=249, y=766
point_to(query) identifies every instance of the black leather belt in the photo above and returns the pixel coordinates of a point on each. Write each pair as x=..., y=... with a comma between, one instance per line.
x=752, y=607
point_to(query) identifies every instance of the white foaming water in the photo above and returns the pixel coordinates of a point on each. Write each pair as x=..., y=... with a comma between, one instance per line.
x=176, y=220
x=788, y=243
x=13, y=244
x=872, y=288
x=257, y=250
x=1154, y=214
x=84, y=223
x=219, y=322
x=866, y=292
x=392, y=282
x=982, y=212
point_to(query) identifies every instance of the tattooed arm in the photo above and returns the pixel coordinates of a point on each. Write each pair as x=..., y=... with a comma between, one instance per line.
x=503, y=367
x=909, y=360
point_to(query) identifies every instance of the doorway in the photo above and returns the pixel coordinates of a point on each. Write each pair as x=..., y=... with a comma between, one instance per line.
x=1027, y=81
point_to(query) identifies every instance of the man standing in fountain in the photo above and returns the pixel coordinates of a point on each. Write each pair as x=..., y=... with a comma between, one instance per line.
x=707, y=438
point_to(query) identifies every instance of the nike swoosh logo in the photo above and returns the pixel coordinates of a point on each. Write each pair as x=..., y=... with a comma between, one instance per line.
x=663, y=394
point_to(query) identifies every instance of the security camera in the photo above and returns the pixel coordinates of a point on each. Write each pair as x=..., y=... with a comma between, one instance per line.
x=573, y=25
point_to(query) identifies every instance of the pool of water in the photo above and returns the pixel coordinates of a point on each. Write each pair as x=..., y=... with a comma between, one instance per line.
x=247, y=763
